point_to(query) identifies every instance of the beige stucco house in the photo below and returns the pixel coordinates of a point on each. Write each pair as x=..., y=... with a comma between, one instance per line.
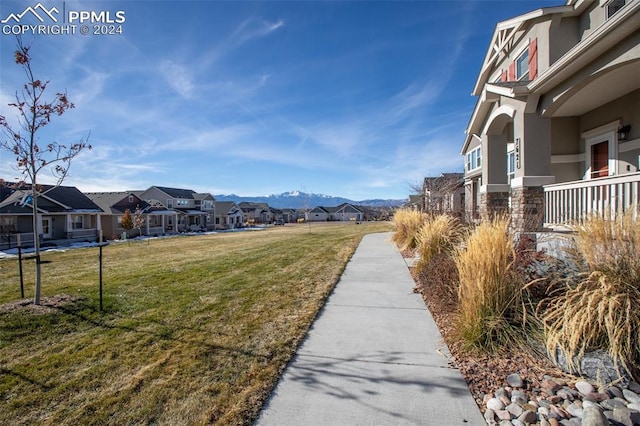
x=555, y=133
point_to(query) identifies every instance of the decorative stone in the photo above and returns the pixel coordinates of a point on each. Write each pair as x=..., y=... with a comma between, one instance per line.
x=574, y=410
x=610, y=404
x=565, y=395
x=596, y=397
x=555, y=399
x=561, y=413
x=544, y=422
x=631, y=396
x=548, y=384
x=553, y=422
x=490, y=416
x=501, y=392
x=505, y=400
x=528, y=417
x=503, y=415
x=495, y=404
x=515, y=380
x=625, y=416
x=584, y=388
x=633, y=406
x=614, y=391
x=634, y=387
x=543, y=411
x=514, y=409
x=518, y=396
x=591, y=416
x=506, y=423
x=586, y=404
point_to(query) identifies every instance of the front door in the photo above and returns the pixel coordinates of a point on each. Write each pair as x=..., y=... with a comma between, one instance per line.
x=46, y=228
x=600, y=159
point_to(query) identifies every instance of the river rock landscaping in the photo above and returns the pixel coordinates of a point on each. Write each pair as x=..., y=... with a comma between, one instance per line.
x=515, y=387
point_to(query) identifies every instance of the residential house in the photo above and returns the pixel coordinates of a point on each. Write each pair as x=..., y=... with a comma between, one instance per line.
x=555, y=133
x=228, y=215
x=64, y=214
x=256, y=212
x=206, y=203
x=343, y=212
x=181, y=210
x=415, y=202
x=290, y=215
x=115, y=204
x=444, y=194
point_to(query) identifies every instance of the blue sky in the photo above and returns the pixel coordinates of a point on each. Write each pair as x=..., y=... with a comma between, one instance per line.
x=355, y=99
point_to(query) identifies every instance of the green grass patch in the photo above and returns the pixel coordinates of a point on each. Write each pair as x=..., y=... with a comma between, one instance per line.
x=195, y=330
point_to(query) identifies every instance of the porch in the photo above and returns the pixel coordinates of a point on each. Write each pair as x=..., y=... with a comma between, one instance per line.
x=26, y=240
x=570, y=203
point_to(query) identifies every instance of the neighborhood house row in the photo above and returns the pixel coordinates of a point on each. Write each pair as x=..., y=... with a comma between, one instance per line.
x=66, y=214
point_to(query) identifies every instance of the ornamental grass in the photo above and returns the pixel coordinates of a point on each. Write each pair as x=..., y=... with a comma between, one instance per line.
x=407, y=223
x=439, y=234
x=598, y=309
x=489, y=294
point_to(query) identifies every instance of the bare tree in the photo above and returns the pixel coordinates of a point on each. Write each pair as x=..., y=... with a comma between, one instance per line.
x=437, y=193
x=34, y=112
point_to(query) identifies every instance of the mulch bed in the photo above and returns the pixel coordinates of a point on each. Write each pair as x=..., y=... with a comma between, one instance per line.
x=484, y=373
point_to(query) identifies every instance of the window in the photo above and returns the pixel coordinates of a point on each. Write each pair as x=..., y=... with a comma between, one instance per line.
x=77, y=221
x=180, y=202
x=522, y=65
x=130, y=198
x=474, y=159
x=7, y=224
x=511, y=164
x=612, y=7
x=169, y=203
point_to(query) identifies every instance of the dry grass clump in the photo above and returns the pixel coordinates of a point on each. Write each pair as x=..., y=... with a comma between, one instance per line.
x=490, y=291
x=407, y=222
x=439, y=234
x=599, y=309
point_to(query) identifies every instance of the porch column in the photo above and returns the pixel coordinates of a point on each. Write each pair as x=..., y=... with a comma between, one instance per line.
x=494, y=192
x=532, y=172
x=69, y=226
x=146, y=224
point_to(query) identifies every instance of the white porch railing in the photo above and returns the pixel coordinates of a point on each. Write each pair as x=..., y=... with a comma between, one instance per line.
x=571, y=202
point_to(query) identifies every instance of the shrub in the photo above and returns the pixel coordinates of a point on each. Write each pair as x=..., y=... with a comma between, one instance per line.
x=489, y=293
x=598, y=309
x=407, y=222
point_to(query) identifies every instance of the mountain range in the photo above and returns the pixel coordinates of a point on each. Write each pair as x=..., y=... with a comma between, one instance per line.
x=298, y=200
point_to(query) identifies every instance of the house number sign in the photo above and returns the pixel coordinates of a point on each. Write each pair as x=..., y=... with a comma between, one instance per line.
x=517, y=153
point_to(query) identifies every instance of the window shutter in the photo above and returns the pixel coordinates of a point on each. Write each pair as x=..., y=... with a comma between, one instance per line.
x=533, y=59
x=503, y=77
x=512, y=72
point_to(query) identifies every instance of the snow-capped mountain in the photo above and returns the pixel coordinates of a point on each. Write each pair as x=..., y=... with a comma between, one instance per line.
x=298, y=200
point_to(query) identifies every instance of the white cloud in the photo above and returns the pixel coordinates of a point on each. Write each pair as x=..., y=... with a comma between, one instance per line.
x=178, y=77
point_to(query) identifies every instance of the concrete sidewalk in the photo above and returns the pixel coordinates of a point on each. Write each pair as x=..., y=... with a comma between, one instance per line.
x=374, y=355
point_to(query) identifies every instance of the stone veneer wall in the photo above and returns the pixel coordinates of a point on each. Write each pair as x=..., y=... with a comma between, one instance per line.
x=492, y=204
x=527, y=209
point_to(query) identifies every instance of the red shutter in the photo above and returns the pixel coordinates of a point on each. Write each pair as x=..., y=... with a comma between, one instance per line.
x=503, y=77
x=533, y=59
x=512, y=72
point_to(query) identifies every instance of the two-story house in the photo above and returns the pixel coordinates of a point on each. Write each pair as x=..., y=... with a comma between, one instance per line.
x=555, y=132
x=184, y=209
